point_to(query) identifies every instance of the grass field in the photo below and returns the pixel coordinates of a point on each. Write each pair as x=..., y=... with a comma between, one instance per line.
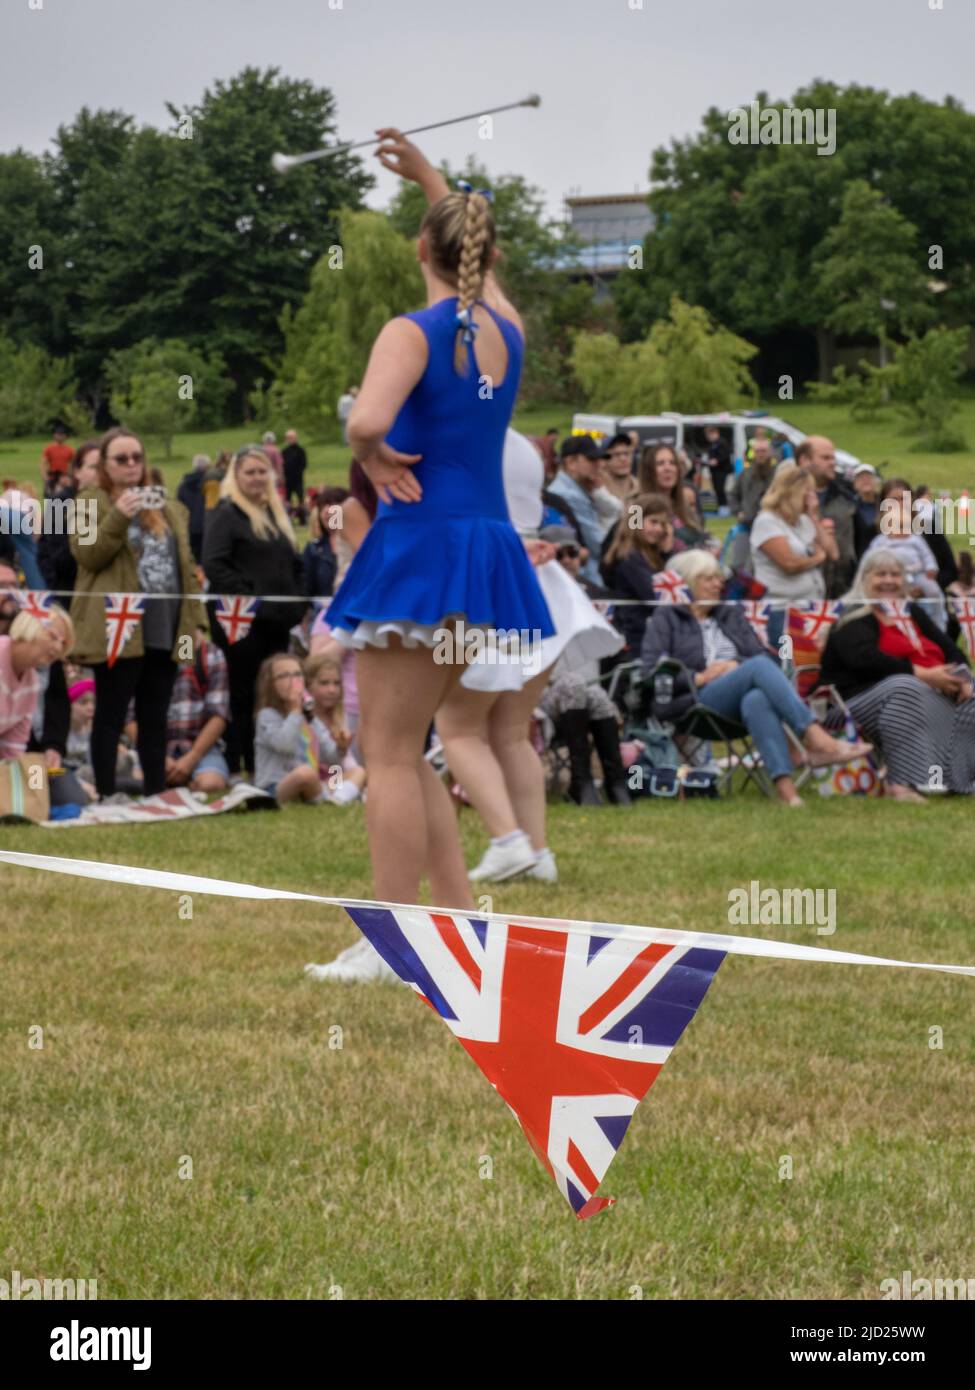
x=884, y=443
x=318, y=1169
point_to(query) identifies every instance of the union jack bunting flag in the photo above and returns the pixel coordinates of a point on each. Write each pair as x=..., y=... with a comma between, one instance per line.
x=235, y=615
x=817, y=616
x=757, y=612
x=570, y=1027
x=37, y=602
x=899, y=610
x=965, y=613
x=123, y=612
x=670, y=588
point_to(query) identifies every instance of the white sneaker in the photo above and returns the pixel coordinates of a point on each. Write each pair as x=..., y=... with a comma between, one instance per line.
x=545, y=868
x=505, y=861
x=358, y=964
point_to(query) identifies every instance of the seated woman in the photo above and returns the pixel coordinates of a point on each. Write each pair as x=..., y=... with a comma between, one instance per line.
x=790, y=544
x=735, y=675
x=635, y=555
x=906, y=683
x=30, y=647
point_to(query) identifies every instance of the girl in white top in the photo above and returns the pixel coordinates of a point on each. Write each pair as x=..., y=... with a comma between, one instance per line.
x=790, y=542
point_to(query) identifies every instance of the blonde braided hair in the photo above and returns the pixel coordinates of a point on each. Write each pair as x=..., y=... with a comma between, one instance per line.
x=461, y=237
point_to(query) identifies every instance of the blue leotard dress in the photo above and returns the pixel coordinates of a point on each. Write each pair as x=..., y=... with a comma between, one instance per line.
x=455, y=552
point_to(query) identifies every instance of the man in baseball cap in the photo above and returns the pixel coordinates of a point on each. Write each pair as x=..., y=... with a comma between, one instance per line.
x=577, y=482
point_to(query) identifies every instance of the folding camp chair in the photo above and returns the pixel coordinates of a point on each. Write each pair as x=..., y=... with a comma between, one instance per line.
x=701, y=722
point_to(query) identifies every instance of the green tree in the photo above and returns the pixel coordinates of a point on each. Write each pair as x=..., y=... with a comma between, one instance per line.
x=686, y=363
x=737, y=226
x=188, y=233
x=926, y=373
x=371, y=276
x=34, y=283
x=36, y=389
x=869, y=271
x=161, y=388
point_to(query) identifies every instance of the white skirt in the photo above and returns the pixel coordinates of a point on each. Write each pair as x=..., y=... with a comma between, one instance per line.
x=582, y=636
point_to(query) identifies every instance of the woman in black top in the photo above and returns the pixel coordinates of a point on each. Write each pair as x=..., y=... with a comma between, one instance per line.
x=249, y=548
x=636, y=553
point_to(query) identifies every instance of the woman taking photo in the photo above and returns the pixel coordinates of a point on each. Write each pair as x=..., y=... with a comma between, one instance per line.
x=790, y=544
x=735, y=675
x=249, y=548
x=906, y=683
x=137, y=549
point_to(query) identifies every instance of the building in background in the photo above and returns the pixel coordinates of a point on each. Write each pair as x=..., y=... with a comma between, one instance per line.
x=605, y=228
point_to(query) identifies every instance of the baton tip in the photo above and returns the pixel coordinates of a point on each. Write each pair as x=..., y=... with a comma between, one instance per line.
x=533, y=100
x=281, y=163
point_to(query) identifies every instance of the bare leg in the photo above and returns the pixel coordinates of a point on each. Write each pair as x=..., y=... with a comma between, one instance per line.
x=400, y=690
x=300, y=784
x=462, y=723
x=449, y=884
x=524, y=775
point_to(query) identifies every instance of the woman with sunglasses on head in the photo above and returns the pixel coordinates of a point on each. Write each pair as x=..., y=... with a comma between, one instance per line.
x=139, y=548
x=249, y=548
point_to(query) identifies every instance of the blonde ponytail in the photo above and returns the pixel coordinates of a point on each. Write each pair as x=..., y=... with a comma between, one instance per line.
x=471, y=270
x=460, y=234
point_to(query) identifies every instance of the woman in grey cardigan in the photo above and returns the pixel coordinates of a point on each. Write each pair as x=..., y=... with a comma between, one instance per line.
x=734, y=674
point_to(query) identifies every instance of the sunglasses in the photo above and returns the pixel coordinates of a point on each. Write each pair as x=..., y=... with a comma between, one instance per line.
x=570, y=551
x=137, y=457
x=251, y=449
x=289, y=676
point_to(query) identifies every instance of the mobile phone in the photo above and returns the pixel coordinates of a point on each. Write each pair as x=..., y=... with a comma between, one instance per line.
x=152, y=497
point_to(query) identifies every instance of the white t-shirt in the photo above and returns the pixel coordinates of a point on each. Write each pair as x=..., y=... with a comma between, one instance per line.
x=805, y=587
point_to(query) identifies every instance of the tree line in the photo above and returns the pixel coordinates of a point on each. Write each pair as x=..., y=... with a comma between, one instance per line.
x=171, y=276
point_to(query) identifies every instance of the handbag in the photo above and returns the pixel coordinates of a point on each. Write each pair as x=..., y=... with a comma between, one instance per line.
x=858, y=778
x=24, y=790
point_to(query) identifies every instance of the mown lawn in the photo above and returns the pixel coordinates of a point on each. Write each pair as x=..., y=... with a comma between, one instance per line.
x=884, y=443
x=318, y=1169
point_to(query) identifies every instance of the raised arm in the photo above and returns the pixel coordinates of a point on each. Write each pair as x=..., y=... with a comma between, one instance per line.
x=401, y=156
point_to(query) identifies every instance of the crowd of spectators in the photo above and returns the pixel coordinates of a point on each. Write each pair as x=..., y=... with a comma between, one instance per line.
x=189, y=703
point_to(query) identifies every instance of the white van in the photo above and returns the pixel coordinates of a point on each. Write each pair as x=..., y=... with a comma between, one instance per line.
x=687, y=432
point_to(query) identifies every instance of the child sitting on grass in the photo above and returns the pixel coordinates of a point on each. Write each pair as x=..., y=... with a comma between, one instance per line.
x=285, y=746
x=343, y=777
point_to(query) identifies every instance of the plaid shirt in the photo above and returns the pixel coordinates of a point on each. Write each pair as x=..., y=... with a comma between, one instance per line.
x=190, y=706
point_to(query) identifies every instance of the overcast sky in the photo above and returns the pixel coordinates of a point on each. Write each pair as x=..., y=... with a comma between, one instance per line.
x=616, y=80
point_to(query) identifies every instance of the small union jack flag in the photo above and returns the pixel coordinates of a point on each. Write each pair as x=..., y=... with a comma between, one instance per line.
x=757, y=611
x=570, y=1027
x=965, y=613
x=898, y=609
x=37, y=602
x=816, y=616
x=123, y=613
x=670, y=588
x=235, y=615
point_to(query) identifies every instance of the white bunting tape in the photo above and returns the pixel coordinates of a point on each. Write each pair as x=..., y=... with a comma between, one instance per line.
x=224, y=888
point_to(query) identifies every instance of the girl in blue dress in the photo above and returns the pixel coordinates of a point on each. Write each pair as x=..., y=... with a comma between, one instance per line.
x=428, y=428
